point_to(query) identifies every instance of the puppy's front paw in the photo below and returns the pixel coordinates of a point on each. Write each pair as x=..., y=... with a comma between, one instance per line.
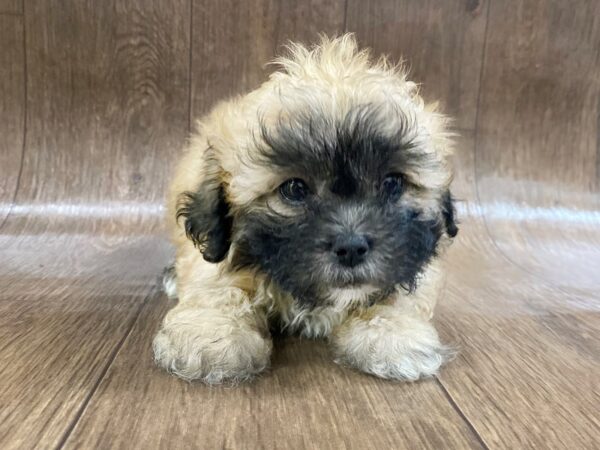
x=211, y=347
x=386, y=343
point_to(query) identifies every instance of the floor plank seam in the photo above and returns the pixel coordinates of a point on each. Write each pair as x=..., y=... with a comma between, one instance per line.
x=345, y=26
x=478, y=104
x=275, y=48
x=23, y=144
x=598, y=143
x=462, y=414
x=86, y=401
x=190, y=68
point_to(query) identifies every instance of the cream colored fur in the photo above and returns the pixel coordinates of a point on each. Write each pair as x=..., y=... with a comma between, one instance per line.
x=218, y=331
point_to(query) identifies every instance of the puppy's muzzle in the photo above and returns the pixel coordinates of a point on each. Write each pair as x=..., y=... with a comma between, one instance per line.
x=351, y=249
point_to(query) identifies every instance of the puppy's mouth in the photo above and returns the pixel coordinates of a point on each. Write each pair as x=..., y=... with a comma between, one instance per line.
x=354, y=283
x=350, y=278
x=355, y=292
x=359, y=289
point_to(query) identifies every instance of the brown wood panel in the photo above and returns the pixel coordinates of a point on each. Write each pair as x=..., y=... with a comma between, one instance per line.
x=11, y=7
x=539, y=101
x=529, y=363
x=305, y=401
x=107, y=104
x=303, y=21
x=537, y=148
x=233, y=42
x=528, y=369
x=12, y=108
x=65, y=306
x=441, y=42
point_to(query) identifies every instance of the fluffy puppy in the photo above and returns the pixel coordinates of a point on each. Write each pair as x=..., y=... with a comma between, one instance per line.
x=319, y=204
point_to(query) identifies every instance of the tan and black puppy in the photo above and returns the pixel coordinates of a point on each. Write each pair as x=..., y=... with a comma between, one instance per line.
x=318, y=203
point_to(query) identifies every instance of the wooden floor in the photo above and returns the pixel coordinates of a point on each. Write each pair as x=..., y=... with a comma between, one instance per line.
x=96, y=98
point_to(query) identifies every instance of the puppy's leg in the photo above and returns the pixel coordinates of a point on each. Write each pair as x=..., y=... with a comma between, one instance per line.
x=389, y=342
x=216, y=336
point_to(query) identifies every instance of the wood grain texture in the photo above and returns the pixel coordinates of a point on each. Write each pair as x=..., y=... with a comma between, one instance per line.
x=531, y=359
x=528, y=371
x=107, y=104
x=12, y=108
x=441, y=42
x=66, y=305
x=527, y=374
x=11, y=7
x=106, y=83
x=542, y=76
x=305, y=401
x=540, y=104
x=304, y=21
x=234, y=41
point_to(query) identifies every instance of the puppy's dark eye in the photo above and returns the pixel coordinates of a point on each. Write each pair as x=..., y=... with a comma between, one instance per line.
x=294, y=190
x=391, y=186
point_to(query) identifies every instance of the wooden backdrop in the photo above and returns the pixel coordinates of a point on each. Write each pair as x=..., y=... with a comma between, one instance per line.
x=96, y=99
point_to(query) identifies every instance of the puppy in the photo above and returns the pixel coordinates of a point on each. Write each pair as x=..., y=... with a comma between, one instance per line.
x=319, y=204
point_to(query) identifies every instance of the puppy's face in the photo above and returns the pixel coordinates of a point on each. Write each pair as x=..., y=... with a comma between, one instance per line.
x=349, y=218
x=347, y=202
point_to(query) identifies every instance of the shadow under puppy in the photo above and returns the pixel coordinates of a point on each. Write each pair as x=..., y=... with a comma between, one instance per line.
x=318, y=203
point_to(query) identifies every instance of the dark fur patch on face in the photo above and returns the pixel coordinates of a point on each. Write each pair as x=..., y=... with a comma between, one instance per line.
x=344, y=154
x=296, y=252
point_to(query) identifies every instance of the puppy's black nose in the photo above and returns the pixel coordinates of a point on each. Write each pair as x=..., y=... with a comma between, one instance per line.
x=351, y=249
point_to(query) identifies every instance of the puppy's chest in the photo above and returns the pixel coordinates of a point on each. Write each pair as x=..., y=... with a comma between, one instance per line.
x=290, y=316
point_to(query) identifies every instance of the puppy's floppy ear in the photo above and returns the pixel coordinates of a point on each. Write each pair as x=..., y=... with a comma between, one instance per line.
x=449, y=213
x=207, y=220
